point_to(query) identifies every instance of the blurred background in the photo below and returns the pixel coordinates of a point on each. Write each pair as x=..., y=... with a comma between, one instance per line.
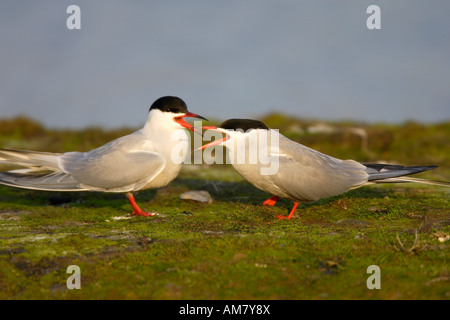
x=310, y=68
x=237, y=58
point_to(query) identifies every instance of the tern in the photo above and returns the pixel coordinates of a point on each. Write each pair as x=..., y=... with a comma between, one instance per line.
x=302, y=174
x=138, y=161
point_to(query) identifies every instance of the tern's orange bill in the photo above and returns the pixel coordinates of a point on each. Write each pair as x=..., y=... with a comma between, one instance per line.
x=180, y=120
x=217, y=141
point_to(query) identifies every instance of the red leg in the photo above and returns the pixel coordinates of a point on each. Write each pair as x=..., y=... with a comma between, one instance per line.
x=290, y=214
x=136, y=210
x=271, y=202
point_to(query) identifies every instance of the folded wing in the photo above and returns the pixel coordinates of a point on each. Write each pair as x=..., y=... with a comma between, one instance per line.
x=306, y=174
x=119, y=166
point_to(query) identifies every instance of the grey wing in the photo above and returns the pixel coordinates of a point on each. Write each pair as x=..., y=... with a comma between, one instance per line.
x=113, y=170
x=34, y=179
x=306, y=174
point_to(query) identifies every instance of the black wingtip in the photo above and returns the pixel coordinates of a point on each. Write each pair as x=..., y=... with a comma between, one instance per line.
x=378, y=171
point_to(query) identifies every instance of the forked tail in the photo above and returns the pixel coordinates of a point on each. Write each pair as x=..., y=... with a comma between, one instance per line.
x=385, y=173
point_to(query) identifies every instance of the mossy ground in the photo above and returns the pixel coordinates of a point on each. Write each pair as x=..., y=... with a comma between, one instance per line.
x=232, y=248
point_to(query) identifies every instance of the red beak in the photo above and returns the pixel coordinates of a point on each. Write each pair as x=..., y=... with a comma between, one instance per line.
x=180, y=120
x=215, y=142
x=210, y=128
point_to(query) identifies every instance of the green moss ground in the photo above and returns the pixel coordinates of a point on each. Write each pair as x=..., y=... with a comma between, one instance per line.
x=232, y=248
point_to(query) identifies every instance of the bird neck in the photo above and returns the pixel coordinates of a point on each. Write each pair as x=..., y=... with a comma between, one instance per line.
x=165, y=133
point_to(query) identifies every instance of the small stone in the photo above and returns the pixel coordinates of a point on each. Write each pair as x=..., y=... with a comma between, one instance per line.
x=200, y=196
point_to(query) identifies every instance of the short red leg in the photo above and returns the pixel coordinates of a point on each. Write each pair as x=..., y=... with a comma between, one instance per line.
x=290, y=214
x=136, y=210
x=271, y=202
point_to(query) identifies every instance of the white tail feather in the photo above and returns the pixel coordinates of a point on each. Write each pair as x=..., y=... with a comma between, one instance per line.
x=416, y=180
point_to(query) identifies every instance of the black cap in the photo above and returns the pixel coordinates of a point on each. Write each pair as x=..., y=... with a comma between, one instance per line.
x=170, y=104
x=243, y=124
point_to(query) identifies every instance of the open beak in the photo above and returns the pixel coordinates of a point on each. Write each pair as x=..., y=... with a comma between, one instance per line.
x=180, y=120
x=215, y=142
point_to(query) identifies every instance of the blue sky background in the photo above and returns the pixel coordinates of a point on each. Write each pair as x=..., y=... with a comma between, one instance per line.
x=311, y=59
